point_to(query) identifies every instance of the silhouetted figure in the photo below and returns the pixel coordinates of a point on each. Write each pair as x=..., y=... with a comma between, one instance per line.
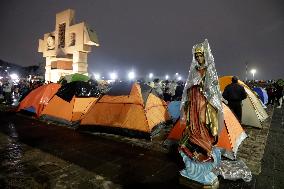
x=234, y=93
x=7, y=91
x=167, y=95
x=279, y=95
x=271, y=95
x=179, y=91
x=158, y=88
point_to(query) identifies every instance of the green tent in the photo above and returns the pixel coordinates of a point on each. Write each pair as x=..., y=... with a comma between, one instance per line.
x=74, y=77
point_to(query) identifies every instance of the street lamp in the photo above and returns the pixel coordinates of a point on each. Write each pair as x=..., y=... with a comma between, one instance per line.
x=97, y=76
x=253, y=71
x=131, y=75
x=113, y=76
x=167, y=77
x=14, y=76
x=151, y=75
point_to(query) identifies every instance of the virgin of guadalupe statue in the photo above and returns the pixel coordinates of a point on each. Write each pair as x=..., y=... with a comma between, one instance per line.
x=202, y=114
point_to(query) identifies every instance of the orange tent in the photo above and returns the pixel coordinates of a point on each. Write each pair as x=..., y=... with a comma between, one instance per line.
x=226, y=80
x=66, y=112
x=229, y=139
x=231, y=135
x=127, y=106
x=38, y=98
x=253, y=112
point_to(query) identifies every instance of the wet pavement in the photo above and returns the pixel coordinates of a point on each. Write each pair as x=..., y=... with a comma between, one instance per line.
x=34, y=154
x=272, y=174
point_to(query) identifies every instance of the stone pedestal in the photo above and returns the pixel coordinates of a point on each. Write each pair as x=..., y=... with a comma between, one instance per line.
x=196, y=185
x=57, y=67
x=48, y=69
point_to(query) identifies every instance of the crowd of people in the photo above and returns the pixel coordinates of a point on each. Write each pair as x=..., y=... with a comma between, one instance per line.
x=10, y=90
x=275, y=91
x=169, y=90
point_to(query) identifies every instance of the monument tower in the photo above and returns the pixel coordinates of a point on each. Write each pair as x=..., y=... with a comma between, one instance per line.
x=66, y=48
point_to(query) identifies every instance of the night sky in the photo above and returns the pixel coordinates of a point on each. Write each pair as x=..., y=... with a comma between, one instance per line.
x=155, y=35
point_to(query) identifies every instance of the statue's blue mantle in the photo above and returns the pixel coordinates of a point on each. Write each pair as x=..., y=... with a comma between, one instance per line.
x=201, y=172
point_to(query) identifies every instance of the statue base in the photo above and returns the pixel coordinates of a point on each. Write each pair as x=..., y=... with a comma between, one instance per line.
x=196, y=185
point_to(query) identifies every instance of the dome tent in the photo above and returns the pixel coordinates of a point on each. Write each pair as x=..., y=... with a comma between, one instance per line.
x=129, y=109
x=38, y=98
x=229, y=139
x=253, y=113
x=70, y=103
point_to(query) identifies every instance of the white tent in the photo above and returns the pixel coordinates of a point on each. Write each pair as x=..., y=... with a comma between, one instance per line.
x=253, y=113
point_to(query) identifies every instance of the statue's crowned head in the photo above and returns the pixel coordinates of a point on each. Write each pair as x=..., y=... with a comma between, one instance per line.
x=199, y=53
x=199, y=49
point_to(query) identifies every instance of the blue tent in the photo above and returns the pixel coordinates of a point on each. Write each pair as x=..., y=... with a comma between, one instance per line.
x=174, y=109
x=262, y=94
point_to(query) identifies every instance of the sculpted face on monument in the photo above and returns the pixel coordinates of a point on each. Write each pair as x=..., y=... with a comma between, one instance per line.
x=50, y=42
x=72, y=38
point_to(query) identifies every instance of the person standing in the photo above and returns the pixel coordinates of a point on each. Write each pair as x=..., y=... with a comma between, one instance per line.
x=172, y=89
x=234, y=93
x=279, y=95
x=179, y=91
x=158, y=88
x=166, y=91
x=271, y=94
x=7, y=90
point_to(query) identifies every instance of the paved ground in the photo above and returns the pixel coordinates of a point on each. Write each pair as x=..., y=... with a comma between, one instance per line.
x=252, y=149
x=272, y=174
x=38, y=155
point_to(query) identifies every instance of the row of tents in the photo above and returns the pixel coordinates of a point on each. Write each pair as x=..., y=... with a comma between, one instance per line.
x=126, y=106
x=131, y=108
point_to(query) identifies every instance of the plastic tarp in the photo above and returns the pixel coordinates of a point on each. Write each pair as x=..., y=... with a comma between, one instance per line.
x=233, y=170
x=78, y=89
